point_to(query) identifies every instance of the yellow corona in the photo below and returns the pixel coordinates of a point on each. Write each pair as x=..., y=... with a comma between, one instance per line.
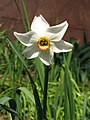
x=43, y=43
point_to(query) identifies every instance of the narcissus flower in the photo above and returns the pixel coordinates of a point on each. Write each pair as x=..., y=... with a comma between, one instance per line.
x=43, y=40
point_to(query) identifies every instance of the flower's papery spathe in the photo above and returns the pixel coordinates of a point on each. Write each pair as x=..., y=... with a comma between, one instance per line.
x=42, y=41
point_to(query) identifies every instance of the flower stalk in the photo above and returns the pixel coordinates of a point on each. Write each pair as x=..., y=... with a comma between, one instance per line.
x=45, y=93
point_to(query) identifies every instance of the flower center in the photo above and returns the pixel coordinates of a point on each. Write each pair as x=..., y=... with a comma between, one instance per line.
x=43, y=43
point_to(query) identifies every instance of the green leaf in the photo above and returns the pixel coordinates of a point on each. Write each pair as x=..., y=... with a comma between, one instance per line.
x=2, y=33
x=3, y=100
x=84, y=50
x=12, y=108
x=14, y=47
x=11, y=111
x=27, y=93
x=40, y=69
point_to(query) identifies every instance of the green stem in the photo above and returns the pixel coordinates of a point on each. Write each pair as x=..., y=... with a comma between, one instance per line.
x=45, y=93
x=36, y=96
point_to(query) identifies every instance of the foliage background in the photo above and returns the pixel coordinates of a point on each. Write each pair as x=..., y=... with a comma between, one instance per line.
x=69, y=79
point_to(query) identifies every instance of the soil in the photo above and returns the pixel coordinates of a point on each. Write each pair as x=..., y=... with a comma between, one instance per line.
x=76, y=12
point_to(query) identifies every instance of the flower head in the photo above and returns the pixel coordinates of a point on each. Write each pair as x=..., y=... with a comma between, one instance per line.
x=43, y=40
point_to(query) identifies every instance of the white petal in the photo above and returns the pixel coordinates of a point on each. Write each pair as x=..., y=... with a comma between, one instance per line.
x=31, y=52
x=39, y=25
x=52, y=37
x=59, y=29
x=34, y=38
x=44, y=20
x=24, y=38
x=46, y=57
x=61, y=46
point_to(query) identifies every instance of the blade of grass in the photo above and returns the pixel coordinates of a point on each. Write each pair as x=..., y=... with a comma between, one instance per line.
x=56, y=100
x=11, y=73
x=24, y=23
x=2, y=33
x=84, y=50
x=40, y=71
x=49, y=112
x=26, y=15
x=17, y=98
x=4, y=77
x=66, y=104
x=69, y=102
x=69, y=59
x=84, y=107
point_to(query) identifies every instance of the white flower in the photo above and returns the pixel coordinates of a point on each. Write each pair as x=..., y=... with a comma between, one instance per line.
x=42, y=41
